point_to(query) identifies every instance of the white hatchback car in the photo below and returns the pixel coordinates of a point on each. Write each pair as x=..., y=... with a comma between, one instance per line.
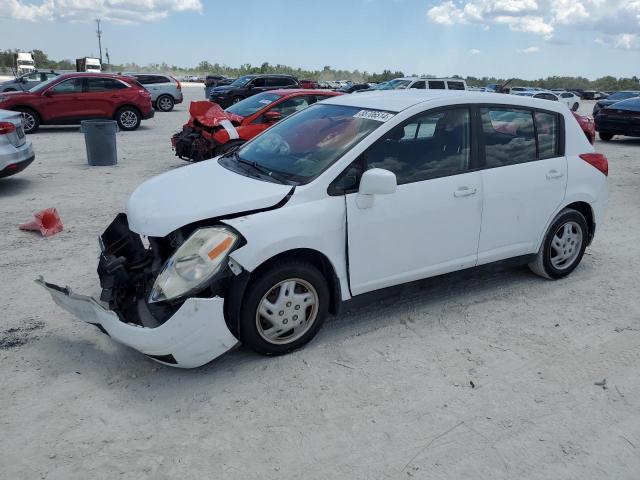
x=351, y=195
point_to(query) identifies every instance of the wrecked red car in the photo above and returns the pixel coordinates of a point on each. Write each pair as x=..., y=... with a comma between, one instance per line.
x=212, y=131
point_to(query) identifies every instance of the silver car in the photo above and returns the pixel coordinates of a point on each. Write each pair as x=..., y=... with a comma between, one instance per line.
x=26, y=81
x=16, y=152
x=165, y=90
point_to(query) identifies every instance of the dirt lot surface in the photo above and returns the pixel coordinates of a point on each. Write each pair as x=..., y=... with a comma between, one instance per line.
x=480, y=375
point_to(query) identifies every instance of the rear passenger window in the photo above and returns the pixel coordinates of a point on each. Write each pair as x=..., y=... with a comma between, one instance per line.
x=432, y=145
x=547, y=128
x=437, y=85
x=455, y=85
x=421, y=85
x=104, y=84
x=509, y=136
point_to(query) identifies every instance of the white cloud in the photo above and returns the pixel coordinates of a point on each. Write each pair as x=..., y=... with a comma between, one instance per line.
x=474, y=51
x=618, y=21
x=529, y=50
x=116, y=11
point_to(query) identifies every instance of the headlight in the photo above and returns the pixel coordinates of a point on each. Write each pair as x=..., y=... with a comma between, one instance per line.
x=196, y=261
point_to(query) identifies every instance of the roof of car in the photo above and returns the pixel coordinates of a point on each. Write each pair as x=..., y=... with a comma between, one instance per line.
x=308, y=91
x=398, y=100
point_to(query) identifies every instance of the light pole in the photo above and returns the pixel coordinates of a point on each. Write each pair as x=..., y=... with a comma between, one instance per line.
x=99, y=33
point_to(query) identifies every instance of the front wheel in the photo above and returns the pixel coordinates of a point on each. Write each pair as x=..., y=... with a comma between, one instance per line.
x=575, y=107
x=284, y=308
x=563, y=246
x=165, y=103
x=606, y=136
x=128, y=118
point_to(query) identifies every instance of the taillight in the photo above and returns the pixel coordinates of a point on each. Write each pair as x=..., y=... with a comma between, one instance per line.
x=6, y=128
x=597, y=160
x=178, y=86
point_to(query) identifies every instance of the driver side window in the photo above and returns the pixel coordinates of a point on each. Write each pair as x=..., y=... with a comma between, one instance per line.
x=73, y=85
x=431, y=145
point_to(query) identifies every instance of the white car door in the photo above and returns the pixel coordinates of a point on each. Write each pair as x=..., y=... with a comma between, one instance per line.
x=524, y=181
x=431, y=223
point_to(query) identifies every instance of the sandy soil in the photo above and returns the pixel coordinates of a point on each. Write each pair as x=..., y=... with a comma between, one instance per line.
x=483, y=375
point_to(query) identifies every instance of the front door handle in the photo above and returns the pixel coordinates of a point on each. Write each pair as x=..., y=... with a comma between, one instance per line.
x=551, y=174
x=465, y=192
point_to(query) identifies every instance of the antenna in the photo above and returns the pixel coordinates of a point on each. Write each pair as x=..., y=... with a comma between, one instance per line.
x=99, y=33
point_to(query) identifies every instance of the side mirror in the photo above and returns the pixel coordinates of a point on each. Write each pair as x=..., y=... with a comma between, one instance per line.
x=272, y=116
x=375, y=181
x=48, y=93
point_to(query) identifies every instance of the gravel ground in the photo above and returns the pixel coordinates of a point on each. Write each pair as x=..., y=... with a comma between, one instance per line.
x=482, y=374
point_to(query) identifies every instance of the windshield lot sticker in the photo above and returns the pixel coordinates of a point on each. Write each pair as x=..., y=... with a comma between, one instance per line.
x=376, y=115
x=265, y=101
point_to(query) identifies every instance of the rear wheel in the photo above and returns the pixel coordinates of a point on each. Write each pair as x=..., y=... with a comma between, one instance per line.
x=606, y=136
x=165, y=103
x=30, y=119
x=128, y=118
x=563, y=246
x=284, y=307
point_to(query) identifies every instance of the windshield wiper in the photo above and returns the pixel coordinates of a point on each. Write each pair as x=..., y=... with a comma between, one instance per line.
x=256, y=166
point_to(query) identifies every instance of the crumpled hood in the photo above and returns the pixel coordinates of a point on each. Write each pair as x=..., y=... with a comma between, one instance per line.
x=211, y=114
x=197, y=192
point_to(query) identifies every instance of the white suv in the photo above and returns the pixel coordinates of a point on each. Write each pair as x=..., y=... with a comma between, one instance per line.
x=165, y=90
x=425, y=83
x=348, y=196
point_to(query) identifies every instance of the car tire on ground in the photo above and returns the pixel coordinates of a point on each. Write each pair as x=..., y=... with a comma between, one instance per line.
x=30, y=119
x=236, y=99
x=165, y=103
x=128, y=118
x=575, y=107
x=605, y=136
x=563, y=245
x=284, y=307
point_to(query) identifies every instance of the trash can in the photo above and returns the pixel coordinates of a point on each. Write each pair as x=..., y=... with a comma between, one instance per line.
x=207, y=92
x=100, y=139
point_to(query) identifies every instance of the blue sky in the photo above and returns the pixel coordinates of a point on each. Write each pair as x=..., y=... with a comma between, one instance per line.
x=524, y=38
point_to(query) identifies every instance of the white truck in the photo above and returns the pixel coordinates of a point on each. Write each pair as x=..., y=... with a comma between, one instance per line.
x=88, y=64
x=24, y=63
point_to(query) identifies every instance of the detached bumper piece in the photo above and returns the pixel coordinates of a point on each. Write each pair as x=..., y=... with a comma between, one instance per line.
x=195, y=335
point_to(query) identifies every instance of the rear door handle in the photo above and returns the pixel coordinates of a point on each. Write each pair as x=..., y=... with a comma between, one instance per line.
x=465, y=192
x=551, y=174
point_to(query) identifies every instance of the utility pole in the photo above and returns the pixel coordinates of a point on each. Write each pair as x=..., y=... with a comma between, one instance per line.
x=99, y=33
x=106, y=54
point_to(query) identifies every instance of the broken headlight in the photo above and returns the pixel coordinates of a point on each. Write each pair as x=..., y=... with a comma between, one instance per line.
x=196, y=261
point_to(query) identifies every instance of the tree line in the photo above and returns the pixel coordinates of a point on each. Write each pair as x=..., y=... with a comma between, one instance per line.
x=43, y=61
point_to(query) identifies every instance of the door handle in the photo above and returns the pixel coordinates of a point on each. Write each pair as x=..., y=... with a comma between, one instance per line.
x=465, y=192
x=551, y=174
x=115, y=96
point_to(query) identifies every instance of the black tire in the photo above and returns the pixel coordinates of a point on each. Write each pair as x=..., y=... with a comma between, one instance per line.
x=575, y=107
x=165, y=103
x=543, y=264
x=30, y=119
x=128, y=118
x=605, y=136
x=236, y=100
x=266, y=283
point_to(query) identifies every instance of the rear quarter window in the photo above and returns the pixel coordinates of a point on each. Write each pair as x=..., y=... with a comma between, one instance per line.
x=455, y=85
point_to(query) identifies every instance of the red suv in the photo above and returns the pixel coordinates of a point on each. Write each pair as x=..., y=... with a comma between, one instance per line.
x=72, y=97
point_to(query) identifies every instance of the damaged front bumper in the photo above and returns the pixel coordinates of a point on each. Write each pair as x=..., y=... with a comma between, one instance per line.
x=193, y=336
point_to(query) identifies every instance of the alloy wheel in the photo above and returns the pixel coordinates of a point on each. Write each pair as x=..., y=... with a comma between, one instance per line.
x=28, y=121
x=128, y=119
x=287, y=311
x=566, y=245
x=165, y=104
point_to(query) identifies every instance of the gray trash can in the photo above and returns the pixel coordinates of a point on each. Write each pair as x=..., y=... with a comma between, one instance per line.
x=100, y=139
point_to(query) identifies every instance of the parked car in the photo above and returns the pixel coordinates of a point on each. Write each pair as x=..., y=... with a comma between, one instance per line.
x=165, y=90
x=570, y=99
x=212, y=131
x=309, y=84
x=16, y=152
x=614, y=98
x=422, y=83
x=217, y=80
x=355, y=87
x=27, y=81
x=250, y=85
x=352, y=195
x=621, y=118
x=587, y=125
x=72, y=97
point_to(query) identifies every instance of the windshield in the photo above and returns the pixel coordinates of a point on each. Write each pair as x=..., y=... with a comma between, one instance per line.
x=395, y=85
x=240, y=82
x=622, y=95
x=251, y=105
x=43, y=85
x=305, y=144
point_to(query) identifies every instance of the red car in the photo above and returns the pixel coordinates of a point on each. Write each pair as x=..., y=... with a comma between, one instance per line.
x=588, y=126
x=72, y=97
x=212, y=131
